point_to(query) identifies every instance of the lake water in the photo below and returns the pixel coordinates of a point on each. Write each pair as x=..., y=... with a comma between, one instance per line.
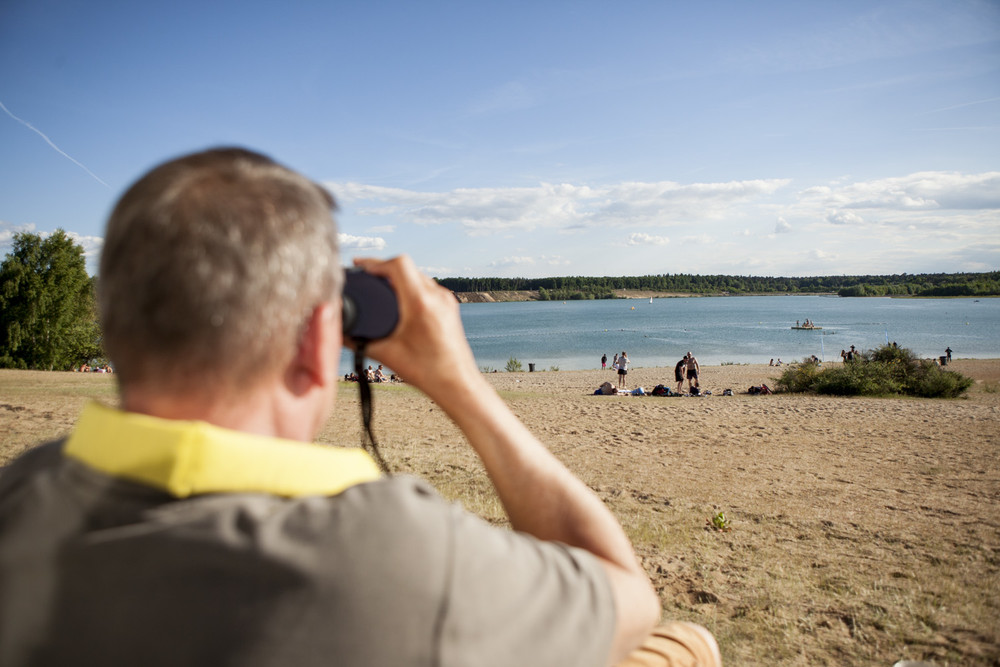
x=572, y=335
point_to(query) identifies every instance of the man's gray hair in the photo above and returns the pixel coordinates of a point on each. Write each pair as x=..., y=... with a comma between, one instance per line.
x=212, y=263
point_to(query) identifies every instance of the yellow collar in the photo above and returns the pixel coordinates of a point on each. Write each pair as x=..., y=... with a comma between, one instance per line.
x=188, y=458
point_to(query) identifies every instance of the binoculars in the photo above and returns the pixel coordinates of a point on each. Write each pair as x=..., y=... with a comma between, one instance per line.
x=370, y=309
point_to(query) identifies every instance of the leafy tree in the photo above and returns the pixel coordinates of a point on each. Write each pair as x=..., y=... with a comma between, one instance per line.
x=47, y=306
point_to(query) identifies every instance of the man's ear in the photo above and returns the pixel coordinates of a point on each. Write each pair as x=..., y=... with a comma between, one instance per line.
x=315, y=362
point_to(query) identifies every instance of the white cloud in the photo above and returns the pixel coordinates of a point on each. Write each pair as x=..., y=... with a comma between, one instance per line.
x=436, y=271
x=361, y=242
x=927, y=190
x=7, y=231
x=932, y=220
x=481, y=211
x=701, y=239
x=844, y=218
x=511, y=261
x=639, y=238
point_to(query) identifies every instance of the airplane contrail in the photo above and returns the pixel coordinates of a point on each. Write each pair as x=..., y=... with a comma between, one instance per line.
x=50, y=143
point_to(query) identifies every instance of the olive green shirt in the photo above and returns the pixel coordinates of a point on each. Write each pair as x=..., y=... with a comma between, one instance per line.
x=148, y=559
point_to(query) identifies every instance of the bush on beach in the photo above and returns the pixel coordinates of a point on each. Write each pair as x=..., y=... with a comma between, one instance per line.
x=886, y=371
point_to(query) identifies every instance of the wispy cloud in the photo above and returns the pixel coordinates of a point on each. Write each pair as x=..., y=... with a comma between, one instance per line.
x=507, y=262
x=639, y=238
x=510, y=96
x=741, y=226
x=52, y=144
x=963, y=105
x=361, y=242
x=481, y=211
x=925, y=190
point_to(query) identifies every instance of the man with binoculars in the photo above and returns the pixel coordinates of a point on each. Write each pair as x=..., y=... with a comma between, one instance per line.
x=197, y=525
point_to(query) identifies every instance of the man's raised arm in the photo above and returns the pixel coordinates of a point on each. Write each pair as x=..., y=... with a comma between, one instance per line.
x=541, y=497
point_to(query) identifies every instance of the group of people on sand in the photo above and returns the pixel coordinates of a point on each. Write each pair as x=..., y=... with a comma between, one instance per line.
x=85, y=368
x=620, y=364
x=687, y=368
x=373, y=375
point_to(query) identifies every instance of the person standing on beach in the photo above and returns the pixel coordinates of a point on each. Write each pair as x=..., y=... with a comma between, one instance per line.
x=622, y=369
x=196, y=524
x=692, y=371
x=947, y=353
x=604, y=361
x=679, y=374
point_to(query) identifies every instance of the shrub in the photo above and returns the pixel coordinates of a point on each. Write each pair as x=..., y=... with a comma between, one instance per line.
x=887, y=371
x=859, y=379
x=933, y=382
x=513, y=366
x=799, y=378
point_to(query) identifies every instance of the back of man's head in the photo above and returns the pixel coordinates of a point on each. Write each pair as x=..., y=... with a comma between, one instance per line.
x=211, y=264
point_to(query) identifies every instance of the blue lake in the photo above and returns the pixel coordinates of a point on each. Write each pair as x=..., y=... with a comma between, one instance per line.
x=573, y=335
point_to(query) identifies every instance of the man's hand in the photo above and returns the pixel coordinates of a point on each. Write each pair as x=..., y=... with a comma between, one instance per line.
x=428, y=348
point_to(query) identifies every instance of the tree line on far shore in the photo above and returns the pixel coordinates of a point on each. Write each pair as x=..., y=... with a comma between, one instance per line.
x=589, y=287
x=48, y=305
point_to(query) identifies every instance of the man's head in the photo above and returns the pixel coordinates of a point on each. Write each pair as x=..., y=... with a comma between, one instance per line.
x=212, y=264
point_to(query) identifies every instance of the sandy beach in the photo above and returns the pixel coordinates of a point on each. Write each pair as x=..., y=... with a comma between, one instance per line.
x=862, y=531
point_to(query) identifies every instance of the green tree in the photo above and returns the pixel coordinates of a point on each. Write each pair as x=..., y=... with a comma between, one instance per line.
x=47, y=305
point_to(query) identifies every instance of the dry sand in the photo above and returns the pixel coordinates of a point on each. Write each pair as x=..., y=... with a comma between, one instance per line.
x=863, y=531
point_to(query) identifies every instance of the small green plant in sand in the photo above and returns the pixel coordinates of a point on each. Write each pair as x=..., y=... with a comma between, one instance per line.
x=719, y=522
x=487, y=369
x=553, y=368
x=513, y=365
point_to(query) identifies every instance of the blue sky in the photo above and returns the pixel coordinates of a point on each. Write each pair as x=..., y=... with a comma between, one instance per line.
x=536, y=138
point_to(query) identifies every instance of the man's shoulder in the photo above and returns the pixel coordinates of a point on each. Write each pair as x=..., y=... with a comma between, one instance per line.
x=41, y=457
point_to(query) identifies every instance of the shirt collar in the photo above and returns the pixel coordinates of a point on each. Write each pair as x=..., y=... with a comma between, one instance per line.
x=188, y=458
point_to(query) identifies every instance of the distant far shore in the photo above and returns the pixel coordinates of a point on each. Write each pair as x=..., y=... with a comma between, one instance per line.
x=533, y=295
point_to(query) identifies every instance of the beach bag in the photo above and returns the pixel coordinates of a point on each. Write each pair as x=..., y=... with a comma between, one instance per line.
x=727, y=392
x=695, y=391
x=607, y=389
x=753, y=391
